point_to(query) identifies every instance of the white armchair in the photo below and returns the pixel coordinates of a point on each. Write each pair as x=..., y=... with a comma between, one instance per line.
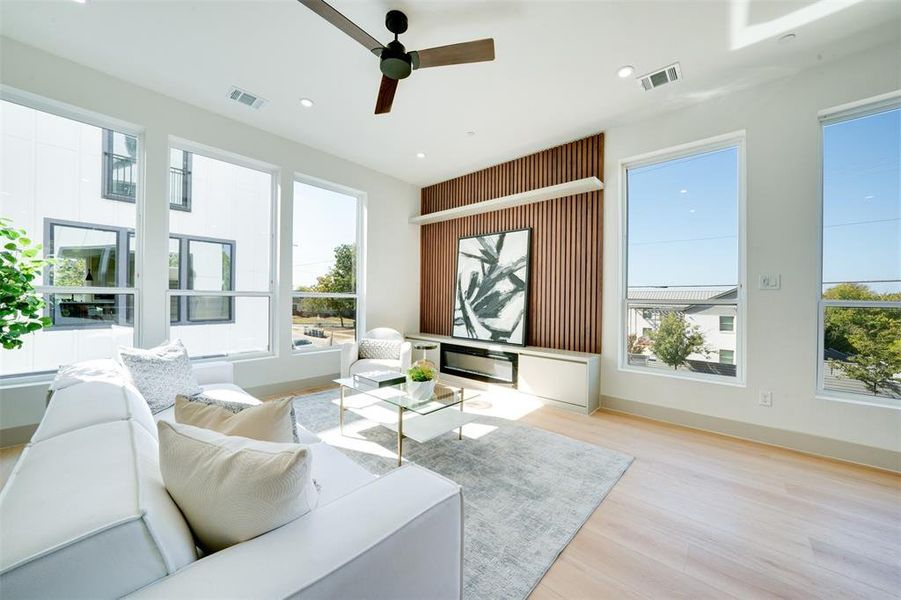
x=352, y=363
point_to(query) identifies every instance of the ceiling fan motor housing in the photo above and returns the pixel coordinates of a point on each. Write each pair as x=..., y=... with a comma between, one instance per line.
x=396, y=62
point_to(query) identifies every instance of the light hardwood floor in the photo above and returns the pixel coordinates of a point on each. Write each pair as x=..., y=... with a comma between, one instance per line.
x=699, y=515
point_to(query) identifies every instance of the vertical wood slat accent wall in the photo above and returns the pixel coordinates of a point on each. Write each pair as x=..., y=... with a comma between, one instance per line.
x=565, y=281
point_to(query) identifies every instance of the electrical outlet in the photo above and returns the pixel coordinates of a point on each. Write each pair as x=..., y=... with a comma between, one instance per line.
x=766, y=399
x=770, y=281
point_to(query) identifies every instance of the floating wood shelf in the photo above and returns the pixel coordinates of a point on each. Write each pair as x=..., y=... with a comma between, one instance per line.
x=561, y=190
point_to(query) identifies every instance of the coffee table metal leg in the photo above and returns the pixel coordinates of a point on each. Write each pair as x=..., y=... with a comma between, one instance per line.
x=400, y=435
x=460, y=432
x=341, y=413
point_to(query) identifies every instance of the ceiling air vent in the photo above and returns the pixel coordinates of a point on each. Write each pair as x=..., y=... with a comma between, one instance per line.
x=661, y=77
x=246, y=98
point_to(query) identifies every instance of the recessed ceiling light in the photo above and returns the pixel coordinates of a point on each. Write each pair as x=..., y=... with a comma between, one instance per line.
x=80, y=1
x=420, y=155
x=683, y=191
x=625, y=71
x=470, y=133
x=787, y=38
x=306, y=102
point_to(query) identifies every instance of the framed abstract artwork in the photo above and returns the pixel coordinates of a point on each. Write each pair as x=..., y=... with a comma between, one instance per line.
x=492, y=288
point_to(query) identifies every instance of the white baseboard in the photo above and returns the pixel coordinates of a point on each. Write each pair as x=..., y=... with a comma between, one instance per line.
x=792, y=440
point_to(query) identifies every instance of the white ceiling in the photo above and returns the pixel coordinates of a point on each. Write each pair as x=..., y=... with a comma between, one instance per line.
x=554, y=78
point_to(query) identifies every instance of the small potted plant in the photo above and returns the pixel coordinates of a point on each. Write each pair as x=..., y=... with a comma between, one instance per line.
x=421, y=381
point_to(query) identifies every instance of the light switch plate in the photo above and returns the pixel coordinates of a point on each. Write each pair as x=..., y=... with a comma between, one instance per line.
x=770, y=281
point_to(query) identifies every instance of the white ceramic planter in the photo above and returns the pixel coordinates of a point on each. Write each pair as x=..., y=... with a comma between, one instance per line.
x=420, y=390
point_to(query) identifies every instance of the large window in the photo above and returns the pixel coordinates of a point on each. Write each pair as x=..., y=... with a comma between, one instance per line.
x=52, y=187
x=120, y=171
x=860, y=300
x=325, y=264
x=221, y=285
x=683, y=301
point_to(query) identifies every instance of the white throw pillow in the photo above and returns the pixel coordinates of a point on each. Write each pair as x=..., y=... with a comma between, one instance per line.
x=161, y=373
x=100, y=369
x=272, y=421
x=232, y=489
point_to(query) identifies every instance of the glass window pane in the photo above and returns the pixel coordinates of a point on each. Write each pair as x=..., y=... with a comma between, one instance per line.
x=87, y=327
x=323, y=321
x=174, y=263
x=862, y=351
x=862, y=204
x=685, y=339
x=209, y=266
x=228, y=203
x=683, y=222
x=52, y=174
x=176, y=158
x=83, y=256
x=209, y=308
x=121, y=164
x=247, y=332
x=325, y=236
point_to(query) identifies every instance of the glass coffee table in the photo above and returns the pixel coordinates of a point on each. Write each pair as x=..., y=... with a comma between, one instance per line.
x=444, y=397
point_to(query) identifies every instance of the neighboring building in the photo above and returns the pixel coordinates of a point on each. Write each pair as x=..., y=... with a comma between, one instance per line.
x=716, y=322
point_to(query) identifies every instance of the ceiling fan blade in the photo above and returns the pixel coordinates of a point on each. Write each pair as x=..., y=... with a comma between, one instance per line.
x=454, y=54
x=386, y=95
x=331, y=15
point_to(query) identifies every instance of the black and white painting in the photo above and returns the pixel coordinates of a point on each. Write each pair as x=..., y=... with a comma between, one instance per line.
x=491, y=295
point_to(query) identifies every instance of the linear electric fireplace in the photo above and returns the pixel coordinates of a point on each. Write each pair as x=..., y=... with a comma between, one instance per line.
x=478, y=363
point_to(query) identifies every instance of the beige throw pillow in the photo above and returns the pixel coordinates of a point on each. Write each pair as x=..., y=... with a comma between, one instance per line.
x=232, y=489
x=268, y=422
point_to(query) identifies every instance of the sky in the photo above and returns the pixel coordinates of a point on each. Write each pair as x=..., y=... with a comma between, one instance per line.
x=862, y=201
x=323, y=220
x=683, y=221
x=683, y=214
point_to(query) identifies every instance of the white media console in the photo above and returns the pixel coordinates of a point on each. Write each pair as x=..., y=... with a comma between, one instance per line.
x=566, y=379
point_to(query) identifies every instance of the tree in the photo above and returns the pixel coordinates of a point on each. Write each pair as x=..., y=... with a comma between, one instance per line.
x=20, y=305
x=870, y=336
x=674, y=340
x=339, y=279
x=877, y=352
x=636, y=344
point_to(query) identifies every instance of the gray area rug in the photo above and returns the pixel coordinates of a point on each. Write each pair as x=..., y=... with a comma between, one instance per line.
x=526, y=491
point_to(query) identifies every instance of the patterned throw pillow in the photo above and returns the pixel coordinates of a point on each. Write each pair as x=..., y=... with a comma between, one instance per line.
x=161, y=373
x=384, y=349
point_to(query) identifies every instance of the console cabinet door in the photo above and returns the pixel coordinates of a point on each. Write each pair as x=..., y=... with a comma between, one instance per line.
x=555, y=379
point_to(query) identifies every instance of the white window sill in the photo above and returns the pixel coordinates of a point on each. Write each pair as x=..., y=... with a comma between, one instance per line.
x=698, y=378
x=304, y=351
x=860, y=400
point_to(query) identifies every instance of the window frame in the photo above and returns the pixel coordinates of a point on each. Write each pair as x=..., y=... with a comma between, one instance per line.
x=271, y=294
x=734, y=139
x=831, y=116
x=101, y=121
x=359, y=294
x=731, y=326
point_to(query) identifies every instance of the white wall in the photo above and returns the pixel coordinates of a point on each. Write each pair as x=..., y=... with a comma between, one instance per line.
x=392, y=245
x=783, y=162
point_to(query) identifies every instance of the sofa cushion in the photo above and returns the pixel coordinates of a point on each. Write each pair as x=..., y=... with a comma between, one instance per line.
x=272, y=421
x=91, y=403
x=160, y=373
x=85, y=514
x=337, y=474
x=232, y=489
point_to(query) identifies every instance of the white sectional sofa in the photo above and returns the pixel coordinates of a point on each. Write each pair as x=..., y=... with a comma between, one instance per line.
x=85, y=514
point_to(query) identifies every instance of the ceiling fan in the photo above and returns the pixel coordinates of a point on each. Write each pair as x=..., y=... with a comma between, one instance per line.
x=396, y=63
